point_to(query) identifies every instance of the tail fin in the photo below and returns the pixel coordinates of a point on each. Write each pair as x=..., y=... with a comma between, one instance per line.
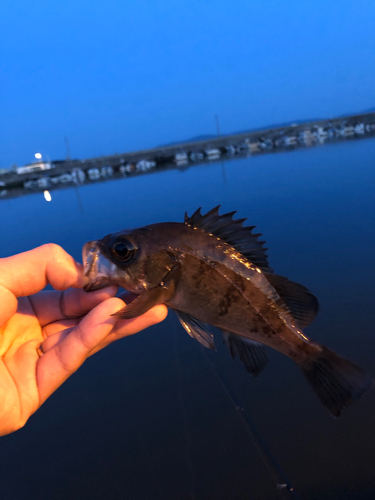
x=337, y=381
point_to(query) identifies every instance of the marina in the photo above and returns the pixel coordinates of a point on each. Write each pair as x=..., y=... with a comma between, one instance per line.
x=50, y=175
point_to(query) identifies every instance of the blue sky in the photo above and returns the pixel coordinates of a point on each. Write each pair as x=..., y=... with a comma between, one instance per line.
x=118, y=76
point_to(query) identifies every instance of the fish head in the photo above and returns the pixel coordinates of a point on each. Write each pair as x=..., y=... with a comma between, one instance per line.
x=136, y=260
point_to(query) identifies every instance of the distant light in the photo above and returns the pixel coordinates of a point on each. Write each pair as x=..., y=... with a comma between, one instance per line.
x=47, y=196
x=38, y=156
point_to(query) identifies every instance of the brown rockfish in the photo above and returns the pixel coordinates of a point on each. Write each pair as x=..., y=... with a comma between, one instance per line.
x=211, y=270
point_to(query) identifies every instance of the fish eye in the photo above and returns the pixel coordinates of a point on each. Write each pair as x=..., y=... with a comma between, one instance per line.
x=123, y=250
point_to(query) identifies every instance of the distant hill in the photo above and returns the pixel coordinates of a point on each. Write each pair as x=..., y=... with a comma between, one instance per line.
x=372, y=110
x=206, y=137
x=193, y=139
x=279, y=125
x=259, y=129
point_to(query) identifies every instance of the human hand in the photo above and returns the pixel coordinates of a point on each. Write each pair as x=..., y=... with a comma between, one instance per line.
x=45, y=336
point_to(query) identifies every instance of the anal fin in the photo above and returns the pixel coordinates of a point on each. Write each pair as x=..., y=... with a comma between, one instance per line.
x=252, y=354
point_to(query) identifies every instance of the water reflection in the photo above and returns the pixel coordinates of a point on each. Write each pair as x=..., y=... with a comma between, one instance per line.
x=47, y=195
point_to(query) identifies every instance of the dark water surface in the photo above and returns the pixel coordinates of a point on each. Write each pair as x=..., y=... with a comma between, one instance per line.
x=148, y=417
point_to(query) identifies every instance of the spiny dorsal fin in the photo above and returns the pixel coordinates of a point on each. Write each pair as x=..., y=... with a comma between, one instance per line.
x=232, y=232
x=301, y=303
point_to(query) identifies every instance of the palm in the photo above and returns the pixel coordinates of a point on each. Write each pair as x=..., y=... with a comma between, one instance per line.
x=19, y=363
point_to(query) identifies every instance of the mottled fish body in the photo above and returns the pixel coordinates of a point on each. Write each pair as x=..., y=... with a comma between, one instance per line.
x=213, y=271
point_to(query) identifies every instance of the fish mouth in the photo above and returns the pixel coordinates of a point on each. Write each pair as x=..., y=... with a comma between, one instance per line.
x=96, y=267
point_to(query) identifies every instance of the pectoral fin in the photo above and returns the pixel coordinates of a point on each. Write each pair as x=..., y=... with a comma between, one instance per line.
x=153, y=297
x=144, y=302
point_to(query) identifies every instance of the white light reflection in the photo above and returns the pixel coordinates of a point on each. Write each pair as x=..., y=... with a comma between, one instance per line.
x=47, y=195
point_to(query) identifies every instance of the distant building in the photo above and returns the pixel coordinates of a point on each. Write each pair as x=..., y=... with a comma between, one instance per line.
x=35, y=167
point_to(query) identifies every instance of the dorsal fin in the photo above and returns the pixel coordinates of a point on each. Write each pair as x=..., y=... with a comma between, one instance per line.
x=232, y=232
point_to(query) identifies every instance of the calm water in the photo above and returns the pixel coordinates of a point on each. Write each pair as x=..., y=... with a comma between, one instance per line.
x=149, y=418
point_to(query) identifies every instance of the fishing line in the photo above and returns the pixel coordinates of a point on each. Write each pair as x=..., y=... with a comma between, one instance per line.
x=283, y=484
x=183, y=411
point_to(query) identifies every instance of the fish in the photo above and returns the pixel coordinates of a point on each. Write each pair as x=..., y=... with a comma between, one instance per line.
x=211, y=270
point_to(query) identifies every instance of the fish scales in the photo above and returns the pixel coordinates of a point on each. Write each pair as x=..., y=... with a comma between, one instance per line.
x=212, y=268
x=236, y=305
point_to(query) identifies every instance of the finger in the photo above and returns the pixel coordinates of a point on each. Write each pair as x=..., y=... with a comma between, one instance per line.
x=51, y=306
x=58, y=326
x=56, y=332
x=56, y=365
x=52, y=328
x=56, y=338
x=29, y=272
x=124, y=328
